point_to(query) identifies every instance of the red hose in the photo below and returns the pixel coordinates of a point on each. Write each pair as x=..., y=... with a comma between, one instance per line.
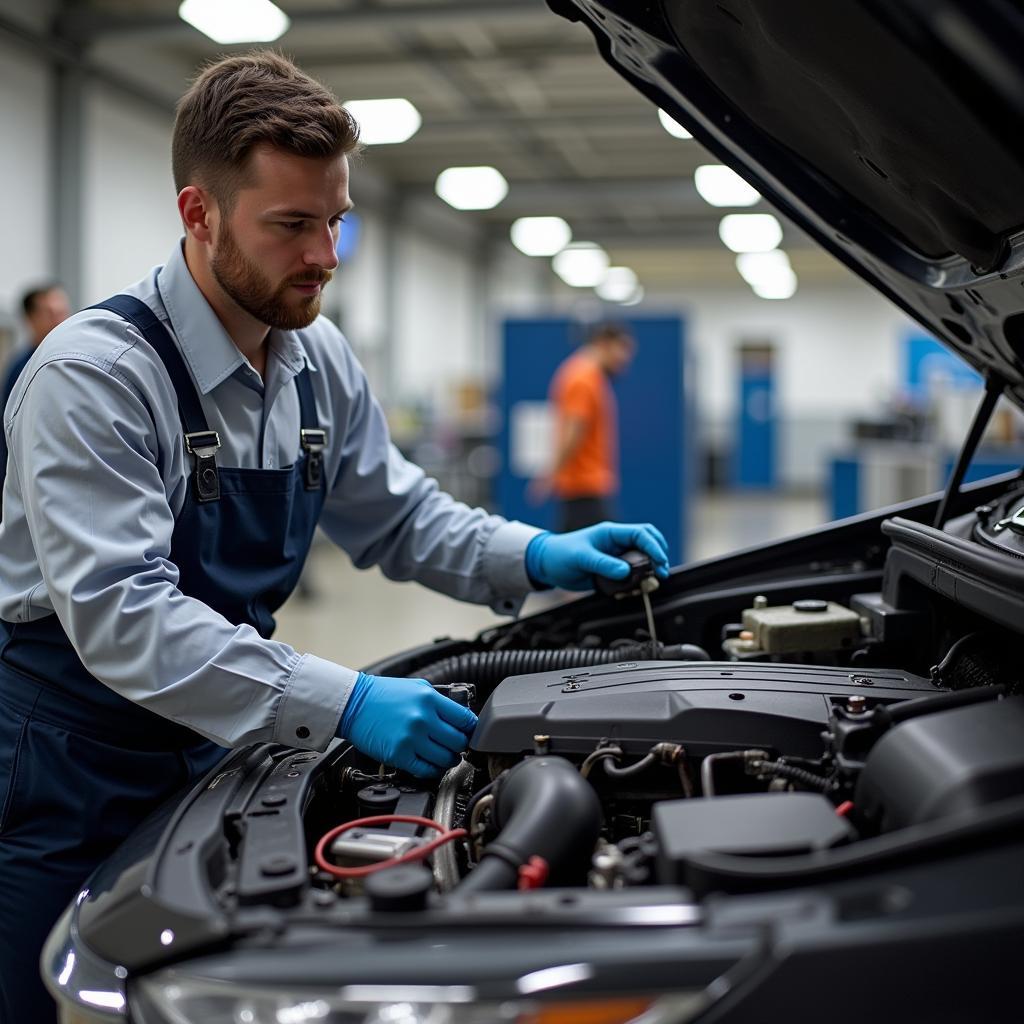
x=383, y=819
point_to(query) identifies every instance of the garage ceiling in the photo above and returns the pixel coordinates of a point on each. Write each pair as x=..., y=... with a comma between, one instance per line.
x=501, y=82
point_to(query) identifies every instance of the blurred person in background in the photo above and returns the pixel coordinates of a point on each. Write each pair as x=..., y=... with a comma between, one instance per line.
x=584, y=477
x=44, y=306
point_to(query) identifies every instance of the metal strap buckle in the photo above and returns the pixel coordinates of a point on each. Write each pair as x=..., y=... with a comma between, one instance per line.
x=203, y=445
x=202, y=442
x=313, y=440
x=313, y=443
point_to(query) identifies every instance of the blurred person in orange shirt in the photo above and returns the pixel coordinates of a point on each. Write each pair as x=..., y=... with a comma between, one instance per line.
x=584, y=478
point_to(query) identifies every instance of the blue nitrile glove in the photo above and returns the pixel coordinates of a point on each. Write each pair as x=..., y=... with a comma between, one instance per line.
x=569, y=560
x=407, y=723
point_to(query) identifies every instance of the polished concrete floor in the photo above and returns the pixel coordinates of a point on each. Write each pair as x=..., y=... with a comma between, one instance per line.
x=355, y=617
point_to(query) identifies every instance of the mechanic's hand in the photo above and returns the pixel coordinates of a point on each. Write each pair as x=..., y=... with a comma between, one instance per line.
x=407, y=723
x=569, y=560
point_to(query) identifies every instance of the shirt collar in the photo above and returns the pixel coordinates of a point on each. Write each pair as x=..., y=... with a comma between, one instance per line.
x=210, y=353
x=289, y=349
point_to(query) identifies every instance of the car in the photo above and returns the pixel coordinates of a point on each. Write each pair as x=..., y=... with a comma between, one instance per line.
x=786, y=784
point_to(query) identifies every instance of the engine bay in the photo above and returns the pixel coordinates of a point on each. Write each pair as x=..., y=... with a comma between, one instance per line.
x=823, y=725
x=762, y=723
x=628, y=774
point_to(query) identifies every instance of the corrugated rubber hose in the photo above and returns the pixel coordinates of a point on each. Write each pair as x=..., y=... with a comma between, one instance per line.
x=488, y=668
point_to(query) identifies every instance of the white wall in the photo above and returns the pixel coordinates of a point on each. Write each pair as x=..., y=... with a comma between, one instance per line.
x=838, y=357
x=519, y=284
x=131, y=220
x=836, y=349
x=357, y=297
x=435, y=343
x=26, y=101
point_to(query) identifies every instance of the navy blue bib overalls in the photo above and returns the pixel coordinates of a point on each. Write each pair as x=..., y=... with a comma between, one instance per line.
x=80, y=765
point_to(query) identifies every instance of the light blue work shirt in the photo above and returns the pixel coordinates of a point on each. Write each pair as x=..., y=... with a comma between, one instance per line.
x=98, y=473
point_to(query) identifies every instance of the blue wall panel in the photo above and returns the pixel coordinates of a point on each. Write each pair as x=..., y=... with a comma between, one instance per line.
x=984, y=465
x=845, y=490
x=754, y=464
x=653, y=440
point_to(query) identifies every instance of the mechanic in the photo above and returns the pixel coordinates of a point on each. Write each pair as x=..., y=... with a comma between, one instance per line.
x=172, y=452
x=584, y=476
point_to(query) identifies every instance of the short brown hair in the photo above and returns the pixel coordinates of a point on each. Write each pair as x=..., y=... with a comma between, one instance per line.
x=238, y=102
x=33, y=295
x=610, y=331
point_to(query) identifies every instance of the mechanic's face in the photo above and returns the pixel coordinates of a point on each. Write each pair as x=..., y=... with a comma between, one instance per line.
x=49, y=309
x=276, y=248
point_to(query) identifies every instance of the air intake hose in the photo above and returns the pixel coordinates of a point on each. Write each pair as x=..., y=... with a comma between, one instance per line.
x=486, y=669
x=543, y=808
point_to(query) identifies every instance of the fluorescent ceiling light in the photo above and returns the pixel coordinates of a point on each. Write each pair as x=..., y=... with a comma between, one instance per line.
x=768, y=273
x=750, y=232
x=581, y=264
x=636, y=297
x=541, y=236
x=672, y=126
x=722, y=186
x=619, y=285
x=236, y=21
x=471, y=188
x=384, y=122
x=755, y=267
x=783, y=288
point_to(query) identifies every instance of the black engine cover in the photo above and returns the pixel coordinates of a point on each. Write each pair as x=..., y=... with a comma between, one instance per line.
x=705, y=706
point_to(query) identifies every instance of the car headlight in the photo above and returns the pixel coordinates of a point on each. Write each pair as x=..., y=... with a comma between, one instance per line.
x=169, y=998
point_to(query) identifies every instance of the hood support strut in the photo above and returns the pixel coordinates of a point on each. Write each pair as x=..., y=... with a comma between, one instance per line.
x=993, y=389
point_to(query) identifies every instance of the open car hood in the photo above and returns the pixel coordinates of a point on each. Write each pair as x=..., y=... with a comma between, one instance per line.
x=888, y=130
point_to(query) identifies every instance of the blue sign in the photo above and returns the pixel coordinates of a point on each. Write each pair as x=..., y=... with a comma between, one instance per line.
x=926, y=358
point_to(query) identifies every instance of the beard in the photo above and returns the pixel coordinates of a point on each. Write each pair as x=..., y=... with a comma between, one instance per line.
x=244, y=282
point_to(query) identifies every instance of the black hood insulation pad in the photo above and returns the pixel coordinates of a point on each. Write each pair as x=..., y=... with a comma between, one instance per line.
x=865, y=110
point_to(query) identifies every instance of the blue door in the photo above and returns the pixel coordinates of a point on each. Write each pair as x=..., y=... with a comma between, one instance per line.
x=754, y=459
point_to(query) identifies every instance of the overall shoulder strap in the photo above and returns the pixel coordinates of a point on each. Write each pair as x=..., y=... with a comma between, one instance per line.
x=201, y=442
x=307, y=403
x=313, y=439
